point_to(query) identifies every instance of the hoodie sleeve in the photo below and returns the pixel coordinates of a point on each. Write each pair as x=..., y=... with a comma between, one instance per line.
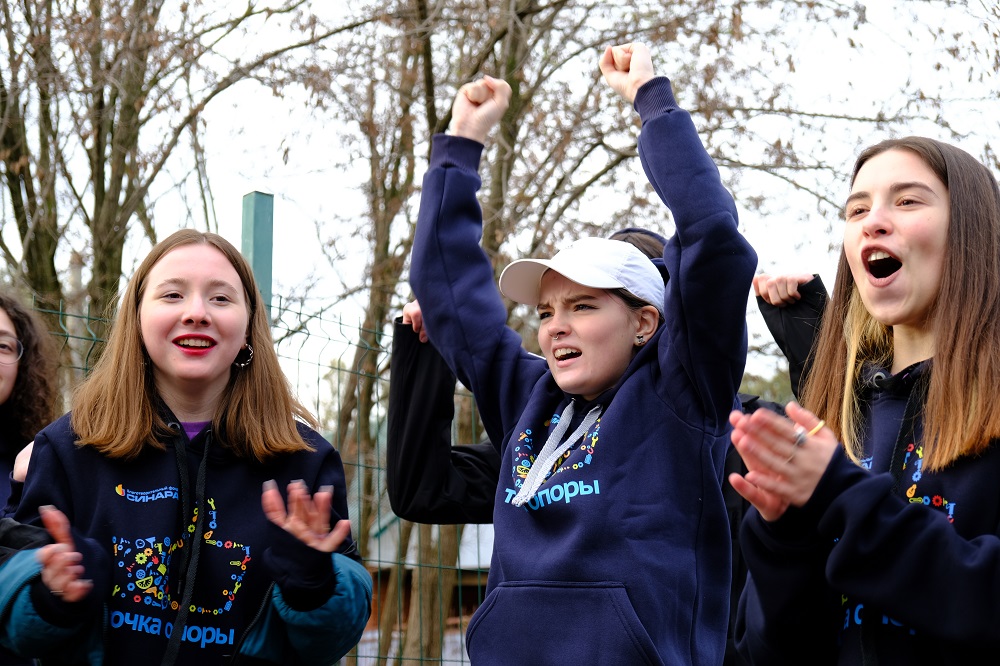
x=786, y=609
x=453, y=279
x=794, y=328
x=16, y=490
x=48, y=482
x=23, y=630
x=321, y=602
x=855, y=537
x=882, y=543
x=428, y=479
x=710, y=263
x=321, y=635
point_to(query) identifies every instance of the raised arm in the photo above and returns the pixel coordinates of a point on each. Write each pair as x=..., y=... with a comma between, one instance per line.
x=710, y=263
x=478, y=107
x=453, y=278
x=428, y=479
x=792, y=307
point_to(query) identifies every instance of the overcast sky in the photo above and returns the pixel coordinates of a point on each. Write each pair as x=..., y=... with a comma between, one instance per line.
x=245, y=152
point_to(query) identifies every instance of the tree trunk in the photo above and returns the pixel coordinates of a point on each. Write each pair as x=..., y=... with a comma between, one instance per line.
x=389, y=615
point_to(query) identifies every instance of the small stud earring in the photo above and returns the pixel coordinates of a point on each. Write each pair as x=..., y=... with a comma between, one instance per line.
x=640, y=340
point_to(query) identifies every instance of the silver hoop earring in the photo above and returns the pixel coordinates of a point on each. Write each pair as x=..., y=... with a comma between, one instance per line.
x=243, y=364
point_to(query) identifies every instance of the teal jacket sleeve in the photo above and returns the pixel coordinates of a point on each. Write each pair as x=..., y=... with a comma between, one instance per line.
x=22, y=629
x=320, y=636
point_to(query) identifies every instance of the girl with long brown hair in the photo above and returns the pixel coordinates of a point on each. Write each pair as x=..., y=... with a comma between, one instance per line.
x=149, y=488
x=876, y=534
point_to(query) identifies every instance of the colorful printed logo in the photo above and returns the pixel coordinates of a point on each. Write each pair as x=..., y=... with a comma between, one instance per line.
x=166, y=492
x=143, y=565
x=524, y=453
x=916, y=454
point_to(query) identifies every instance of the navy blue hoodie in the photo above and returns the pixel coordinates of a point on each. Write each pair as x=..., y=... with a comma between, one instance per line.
x=623, y=556
x=886, y=563
x=255, y=588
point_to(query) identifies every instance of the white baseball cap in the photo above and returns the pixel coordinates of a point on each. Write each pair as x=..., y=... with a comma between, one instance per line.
x=599, y=263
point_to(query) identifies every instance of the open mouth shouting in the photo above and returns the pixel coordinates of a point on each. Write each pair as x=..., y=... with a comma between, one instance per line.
x=880, y=264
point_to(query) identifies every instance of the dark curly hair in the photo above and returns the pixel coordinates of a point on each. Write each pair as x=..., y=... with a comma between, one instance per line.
x=31, y=405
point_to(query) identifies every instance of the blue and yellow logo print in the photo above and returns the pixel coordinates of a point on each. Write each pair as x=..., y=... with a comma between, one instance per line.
x=916, y=454
x=143, y=565
x=524, y=452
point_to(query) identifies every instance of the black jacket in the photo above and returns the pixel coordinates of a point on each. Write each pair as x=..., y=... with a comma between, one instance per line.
x=429, y=480
x=794, y=328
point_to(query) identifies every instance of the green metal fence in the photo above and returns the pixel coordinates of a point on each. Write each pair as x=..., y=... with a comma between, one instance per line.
x=428, y=579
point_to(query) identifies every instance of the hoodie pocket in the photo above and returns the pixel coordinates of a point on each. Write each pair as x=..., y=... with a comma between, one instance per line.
x=550, y=622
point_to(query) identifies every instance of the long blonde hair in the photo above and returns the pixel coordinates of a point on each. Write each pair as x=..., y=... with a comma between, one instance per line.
x=115, y=410
x=961, y=415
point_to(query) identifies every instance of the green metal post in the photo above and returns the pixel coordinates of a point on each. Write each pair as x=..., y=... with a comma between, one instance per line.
x=258, y=240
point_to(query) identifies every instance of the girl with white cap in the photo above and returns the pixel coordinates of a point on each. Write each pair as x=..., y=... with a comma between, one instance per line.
x=612, y=543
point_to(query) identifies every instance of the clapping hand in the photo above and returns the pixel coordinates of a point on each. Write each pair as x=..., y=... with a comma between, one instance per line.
x=785, y=457
x=62, y=567
x=307, y=517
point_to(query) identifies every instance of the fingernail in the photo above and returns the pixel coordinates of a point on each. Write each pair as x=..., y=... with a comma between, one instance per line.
x=326, y=489
x=270, y=485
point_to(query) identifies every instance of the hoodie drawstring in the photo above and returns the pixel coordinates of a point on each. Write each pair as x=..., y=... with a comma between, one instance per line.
x=188, y=570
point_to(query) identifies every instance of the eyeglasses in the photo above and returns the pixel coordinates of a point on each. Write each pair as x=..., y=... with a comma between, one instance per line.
x=10, y=350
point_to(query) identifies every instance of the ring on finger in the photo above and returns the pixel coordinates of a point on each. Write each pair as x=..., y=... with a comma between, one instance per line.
x=816, y=428
x=800, y=436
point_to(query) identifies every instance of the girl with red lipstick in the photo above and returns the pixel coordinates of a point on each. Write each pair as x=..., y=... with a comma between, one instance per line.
x=875, y=537
x=149, y=489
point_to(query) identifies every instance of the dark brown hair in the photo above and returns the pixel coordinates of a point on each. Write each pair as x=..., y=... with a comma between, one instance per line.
x=32, y=401
x=648, y=242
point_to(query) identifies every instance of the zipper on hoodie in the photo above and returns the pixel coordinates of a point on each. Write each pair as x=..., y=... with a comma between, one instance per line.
x=256, y=618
